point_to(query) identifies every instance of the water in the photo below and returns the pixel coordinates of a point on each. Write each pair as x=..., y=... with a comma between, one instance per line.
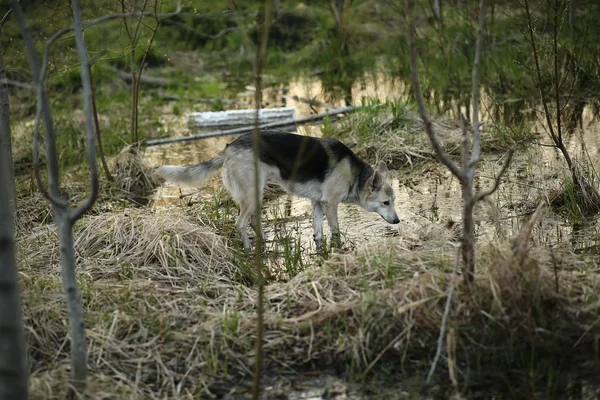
x=423, y=197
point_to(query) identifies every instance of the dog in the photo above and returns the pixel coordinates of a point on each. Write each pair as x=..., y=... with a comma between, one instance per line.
x=322, y=170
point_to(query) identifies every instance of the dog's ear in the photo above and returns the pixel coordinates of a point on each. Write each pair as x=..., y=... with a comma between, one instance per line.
x=368, y=188
x=383, y=169
x=377, y=181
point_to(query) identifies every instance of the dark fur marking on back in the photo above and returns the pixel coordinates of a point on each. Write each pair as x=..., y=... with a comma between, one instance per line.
x=301, y=158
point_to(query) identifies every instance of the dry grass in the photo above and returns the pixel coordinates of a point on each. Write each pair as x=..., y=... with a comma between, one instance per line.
x=133, y=177
x=166, y=317
x=578, y=201
x=393, y=133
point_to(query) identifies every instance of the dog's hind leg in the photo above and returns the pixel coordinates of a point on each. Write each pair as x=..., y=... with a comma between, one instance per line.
x=239, y=181
x=256, y=223
x=236, y=188
x=318, y=224
x=331, y=212
x=241, y=224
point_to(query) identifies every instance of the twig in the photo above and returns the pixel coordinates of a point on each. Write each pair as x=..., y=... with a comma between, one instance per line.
x=557, y=79
x=470, y=171
x=98, y=133
x=247, y=129
x=5, y=18
x=538, y=70
x=385, y=349
x=442, y=155
x=482, y=195
x=261, y=50
x=18, y=84
x=440, y=342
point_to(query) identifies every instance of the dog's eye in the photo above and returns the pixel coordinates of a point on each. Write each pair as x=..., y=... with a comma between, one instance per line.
x=386, y=203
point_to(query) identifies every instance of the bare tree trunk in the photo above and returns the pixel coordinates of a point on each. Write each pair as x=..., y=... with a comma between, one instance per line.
x=69, y=281
x=261, y=50
x=571, y=12
x=136, y=71
x=466, y=174
x=99, y=134
x=5, y=129
x=257, y=65
x=437, y=8
x=13, y=362
x=65, y=216
x=468, y=235
x=554, y=135
x=13, y=359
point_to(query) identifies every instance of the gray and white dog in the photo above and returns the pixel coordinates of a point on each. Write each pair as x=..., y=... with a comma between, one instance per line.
x=322, y=170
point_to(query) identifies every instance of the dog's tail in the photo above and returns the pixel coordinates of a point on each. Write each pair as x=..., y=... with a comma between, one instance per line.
x=193, y=176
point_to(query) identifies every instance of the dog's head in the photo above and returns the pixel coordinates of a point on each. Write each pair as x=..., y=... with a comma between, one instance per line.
x=378, y=195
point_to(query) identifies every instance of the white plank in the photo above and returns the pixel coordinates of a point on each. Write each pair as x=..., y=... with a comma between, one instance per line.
x=233, y=118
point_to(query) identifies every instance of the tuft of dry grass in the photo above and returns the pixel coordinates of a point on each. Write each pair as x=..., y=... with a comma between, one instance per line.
x=159, y=246
x=579, y=201
x=166, y=317
x=133, y=177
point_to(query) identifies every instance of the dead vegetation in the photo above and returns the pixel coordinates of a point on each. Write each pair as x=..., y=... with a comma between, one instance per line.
x=133, y=177
x=392, y=132
x=167, y=318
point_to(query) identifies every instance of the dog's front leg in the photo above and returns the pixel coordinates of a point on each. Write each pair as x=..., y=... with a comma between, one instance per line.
x=318, y=224
x=331, y=212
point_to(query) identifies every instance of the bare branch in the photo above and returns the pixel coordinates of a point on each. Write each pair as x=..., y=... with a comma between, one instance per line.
x=18, y=84
x=470, y=170
x=136, y=82
x=538, y=71
x=583, y=47
x=13, y=363
x=138, y=24
x=98, y=132
x=440, y=342
x=557, y=78
x=5, y=18
x=442, y=155
x=6, y=158
x=556, y=138
x=43, y=111
x=464, y=145
x=482, y=195
x=86, y=81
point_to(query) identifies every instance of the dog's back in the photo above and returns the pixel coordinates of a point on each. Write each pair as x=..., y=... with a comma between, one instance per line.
x=298, y=158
